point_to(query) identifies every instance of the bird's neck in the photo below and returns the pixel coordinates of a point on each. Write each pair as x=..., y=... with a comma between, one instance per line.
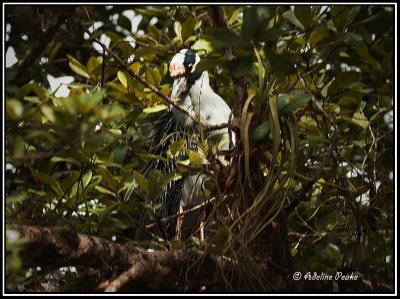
x=183, y=84
x=192, y=78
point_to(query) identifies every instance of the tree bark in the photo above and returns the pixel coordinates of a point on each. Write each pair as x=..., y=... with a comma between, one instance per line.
x=125, y=267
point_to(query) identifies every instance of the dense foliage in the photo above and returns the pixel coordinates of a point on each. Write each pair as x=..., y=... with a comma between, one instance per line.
x=310, y=186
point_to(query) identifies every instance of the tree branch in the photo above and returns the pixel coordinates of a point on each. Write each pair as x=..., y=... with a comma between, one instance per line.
x=63, y=246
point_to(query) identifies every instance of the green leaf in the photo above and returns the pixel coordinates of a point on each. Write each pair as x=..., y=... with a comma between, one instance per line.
x=75, y=61
x=196, y=241
x=176, y=147
x=235, y=16
x=86, y=178
x=14, y=109
x=378, y=115
x=318, y=34
x=156, y=184
x=358, y=119
x=339, y=16
x=155, y=109
x=254, y=22
x=342, y=80
x=79, y=71
x=242, y=65
x=261, y=131
x=114, y=111
x=48, y=112
x=122, y=78
x=187, y=28
x=69, y=181
x=178, y=30
x=39, y=90
x=119, y=153
x=124, y=22
x=349, y=102
x=227, y=38
x=282, y=101
x=195, y=158
x=203, y=44
x=154, y=33
x=291, y=17
x=272, y=34
x=353, y=12
x=117, y=132
x=303, y=14
x=135, y=67
x=108, y=178
x=124, y=97
x=297, y=103
x=48, y=180
x=362, y=51
x=79, y=156
x=118, y=41
x=19, y=146
x=93, y=66
x=77, y=67
x=16, y=198
x=24, y=90
x=163, y=70
x=208, y=63
x=81, y=184
x=198, y=25
x=104, y=190
x=141, y=180
x=153, y=77
x=281, y=63
x=351, y=38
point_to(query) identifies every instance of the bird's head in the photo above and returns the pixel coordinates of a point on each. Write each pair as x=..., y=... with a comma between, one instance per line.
x=183, y=63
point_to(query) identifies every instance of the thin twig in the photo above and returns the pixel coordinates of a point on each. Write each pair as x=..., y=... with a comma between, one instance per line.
x=335, y=127
x=181, y=214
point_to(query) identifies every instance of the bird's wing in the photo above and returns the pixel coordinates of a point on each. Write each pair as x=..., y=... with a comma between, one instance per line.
x=212, y=108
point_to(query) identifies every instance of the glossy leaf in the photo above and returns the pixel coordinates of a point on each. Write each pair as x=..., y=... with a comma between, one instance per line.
x=291, y=17
x=187, y=28
x=195, y=158
x=122, y=78
x=176, y=147
x=254, y=21
x=296, y=103
x=48, y=180
x=155, y=109
x=303, y=14
x=281, y=63
x=178, y=30
x=108, y=178
x=77, y=67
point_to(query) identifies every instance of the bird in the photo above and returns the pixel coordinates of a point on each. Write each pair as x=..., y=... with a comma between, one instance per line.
x=191, y=91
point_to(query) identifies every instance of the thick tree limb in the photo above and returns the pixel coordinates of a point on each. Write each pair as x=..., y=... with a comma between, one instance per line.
x=63, y=246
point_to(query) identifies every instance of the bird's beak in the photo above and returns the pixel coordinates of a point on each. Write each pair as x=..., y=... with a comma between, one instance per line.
x=176, y=70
